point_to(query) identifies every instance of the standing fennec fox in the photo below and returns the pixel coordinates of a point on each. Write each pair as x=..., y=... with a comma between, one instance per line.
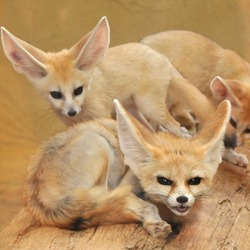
x=218, y=73
x=93, y=173
x=81, y=83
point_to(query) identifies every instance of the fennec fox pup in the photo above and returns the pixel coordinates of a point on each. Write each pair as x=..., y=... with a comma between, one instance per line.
x=218, y=73
x=92, y=173
x=81, y=83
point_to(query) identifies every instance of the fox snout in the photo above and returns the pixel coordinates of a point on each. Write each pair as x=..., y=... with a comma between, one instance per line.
x=180, y=204
x=72, y=112
x=67, y=105
x=182, y=208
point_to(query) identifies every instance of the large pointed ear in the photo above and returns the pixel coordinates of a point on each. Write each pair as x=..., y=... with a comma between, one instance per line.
x=212, y=134
x=226, y=90
x=25, y=58
x=135, y=149
x=91, y=49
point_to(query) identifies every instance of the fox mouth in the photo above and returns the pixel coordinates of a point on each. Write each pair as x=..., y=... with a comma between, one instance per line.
x=180, y=210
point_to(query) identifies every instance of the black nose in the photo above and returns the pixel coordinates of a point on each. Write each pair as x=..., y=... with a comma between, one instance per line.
x=182, y=199
x=72, y=113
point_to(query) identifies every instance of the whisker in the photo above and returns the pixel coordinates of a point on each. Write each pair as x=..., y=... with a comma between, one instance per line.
x=156, y=197
x=202, y=195
x=48, y=122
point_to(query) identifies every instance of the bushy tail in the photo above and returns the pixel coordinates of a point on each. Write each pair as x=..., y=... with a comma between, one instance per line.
x=83, y=209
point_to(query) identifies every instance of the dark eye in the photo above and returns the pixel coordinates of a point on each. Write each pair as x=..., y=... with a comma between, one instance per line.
x=247, y=131
x=78, y=91
x=56, y=94
x=164, y=181
x=194, y=181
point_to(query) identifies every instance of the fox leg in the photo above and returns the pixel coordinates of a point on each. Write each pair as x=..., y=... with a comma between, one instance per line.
x=231, y=141
x=229, y=154
x=133, y=110
x=122, y=206
x=233, y=157
x=150, y=218
x=185, y=117
x=158, y=114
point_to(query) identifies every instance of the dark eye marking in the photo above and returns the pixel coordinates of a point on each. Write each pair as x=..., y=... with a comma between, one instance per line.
x=230, y=141
x=164, y=181
x=56, y=94
x=233, y=122
x=194, y=181
x=78, y=91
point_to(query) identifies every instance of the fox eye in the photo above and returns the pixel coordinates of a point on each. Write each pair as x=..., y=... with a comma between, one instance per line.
x=56, y=94
x=78, y=91
x=247, y=131
x=194, y=181
x=164, y=181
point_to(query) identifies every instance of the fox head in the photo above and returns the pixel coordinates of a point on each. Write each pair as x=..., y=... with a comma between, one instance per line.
x=174, y=171
x=238, y=93
x=63, y=77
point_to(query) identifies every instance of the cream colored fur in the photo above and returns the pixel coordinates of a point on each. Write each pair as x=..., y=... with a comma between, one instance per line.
x=200, y=60
x=94, y=173
x=80, y=83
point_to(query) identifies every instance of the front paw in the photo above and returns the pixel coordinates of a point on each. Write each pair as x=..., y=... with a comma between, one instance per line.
x=159, y=229
x=241, y=160
x=185, y=132
x=235, y=158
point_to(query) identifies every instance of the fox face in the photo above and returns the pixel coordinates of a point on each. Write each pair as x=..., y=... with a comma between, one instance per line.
x=238, y=93
x=68, y=101
x=174, y=171
x=65, y=86
x=177, y=179
x=64, y=77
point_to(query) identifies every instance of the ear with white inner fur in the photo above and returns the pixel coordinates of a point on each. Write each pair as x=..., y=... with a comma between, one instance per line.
x=211, y=136
x=95, y=47
x=131, y=142
x=221, y=90
x=23, y=56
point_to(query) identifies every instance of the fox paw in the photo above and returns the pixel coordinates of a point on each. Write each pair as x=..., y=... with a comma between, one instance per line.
x=185, y=133
x=235, y=158
x=241, y=160
x=159, y=229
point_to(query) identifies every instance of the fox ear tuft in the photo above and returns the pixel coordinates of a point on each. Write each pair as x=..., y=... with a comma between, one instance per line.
x=93, y=46
x=23, y=56
x=222, y=90
x=212, y=134
x=136, y=153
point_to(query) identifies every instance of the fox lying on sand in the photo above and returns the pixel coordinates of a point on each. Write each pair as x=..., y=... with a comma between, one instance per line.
x=81, y=85
x=201, y=61
x=93, y=173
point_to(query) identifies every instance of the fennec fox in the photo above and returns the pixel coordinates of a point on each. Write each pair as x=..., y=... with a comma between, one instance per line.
x=81, y=83
x=93, y=173
x=218, y=73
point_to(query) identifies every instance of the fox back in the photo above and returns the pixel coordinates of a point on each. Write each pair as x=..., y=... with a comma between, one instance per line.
x=201, y=60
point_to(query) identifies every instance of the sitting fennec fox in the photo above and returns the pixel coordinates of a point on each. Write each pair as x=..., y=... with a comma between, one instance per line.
x=93, y=173
x=80, y=85
x=201, y=61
